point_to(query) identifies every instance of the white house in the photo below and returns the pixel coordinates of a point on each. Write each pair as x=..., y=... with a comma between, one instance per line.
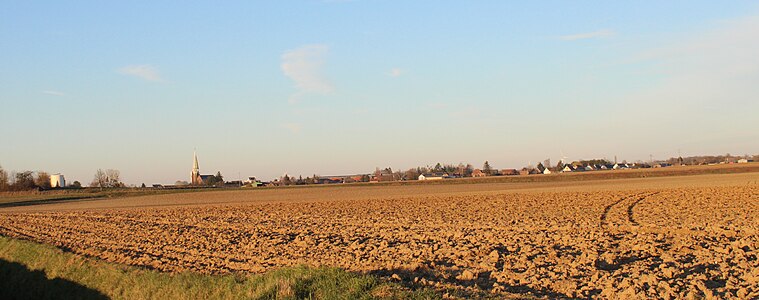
x=567, y=168
x=619, y=166
x=432, y=176
x=57, y=180
x=546, y=171
x=743, y=161
x=589, y=168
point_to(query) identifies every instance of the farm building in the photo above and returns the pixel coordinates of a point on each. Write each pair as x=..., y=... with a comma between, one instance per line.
x=478, y=173
x=509, y=172
x=383, y=175
x=330, y=179
x=744, y=161
x=433, y=176
x=57, y=181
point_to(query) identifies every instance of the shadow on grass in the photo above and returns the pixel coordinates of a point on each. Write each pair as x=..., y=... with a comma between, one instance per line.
x=479, y=287
x=18, y=282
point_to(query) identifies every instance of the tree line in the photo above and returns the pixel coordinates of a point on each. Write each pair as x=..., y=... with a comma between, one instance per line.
x=26, y=180
x=109, y=178
x=40, y=180
x=387, y=174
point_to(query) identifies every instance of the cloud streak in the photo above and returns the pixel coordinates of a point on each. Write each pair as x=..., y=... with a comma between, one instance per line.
x=146, y=72
x=54, y=93
x=304, y=66
x=603, y=33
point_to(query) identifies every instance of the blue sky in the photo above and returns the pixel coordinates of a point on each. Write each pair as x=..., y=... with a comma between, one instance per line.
x=334, y=87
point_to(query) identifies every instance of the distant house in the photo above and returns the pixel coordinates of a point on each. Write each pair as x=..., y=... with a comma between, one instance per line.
x=543, y=169
x=567, y=168
x=383, y=175
x=620, y=166
x=330, y=179
x=433, y=176
x=478, y=173
x=589, y=168
x=509, y=172
x=353, y=178
x=744, y=161
x=532, y=171
x=252, y=182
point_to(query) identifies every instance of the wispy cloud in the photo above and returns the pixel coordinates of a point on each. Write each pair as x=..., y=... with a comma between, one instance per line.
x=395, y=72
x=292, y=127
x=603, y=33
x=54, y=93
x=146, y=72
x=304, y=66
x=702, y=73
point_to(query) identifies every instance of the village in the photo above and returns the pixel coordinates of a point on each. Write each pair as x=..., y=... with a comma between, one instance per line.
x=449, y=171
x=109, y=178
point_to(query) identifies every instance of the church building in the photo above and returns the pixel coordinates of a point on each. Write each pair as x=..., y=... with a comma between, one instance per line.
x=196, y=178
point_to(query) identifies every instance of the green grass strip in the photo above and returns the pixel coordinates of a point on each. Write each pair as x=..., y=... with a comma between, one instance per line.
x=34, y=271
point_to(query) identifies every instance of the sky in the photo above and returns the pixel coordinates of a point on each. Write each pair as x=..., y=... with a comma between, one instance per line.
x=264, y=88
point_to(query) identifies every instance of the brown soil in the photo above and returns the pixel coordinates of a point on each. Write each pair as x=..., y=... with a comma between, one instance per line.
x=674, y=237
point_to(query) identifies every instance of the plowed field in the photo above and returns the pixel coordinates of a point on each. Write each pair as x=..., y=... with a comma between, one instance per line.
x=643, y=239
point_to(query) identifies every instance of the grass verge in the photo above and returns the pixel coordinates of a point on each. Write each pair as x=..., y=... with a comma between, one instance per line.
x=35, y=271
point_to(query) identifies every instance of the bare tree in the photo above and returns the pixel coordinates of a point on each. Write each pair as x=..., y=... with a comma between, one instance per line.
x=113, y=178
x=100, y=180
x=412, y=174
x=4, y=185
x=23, y=181
x=42, y=180
x=486, y=168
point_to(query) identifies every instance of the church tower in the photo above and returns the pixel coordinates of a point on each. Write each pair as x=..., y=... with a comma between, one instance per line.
x=195, y=179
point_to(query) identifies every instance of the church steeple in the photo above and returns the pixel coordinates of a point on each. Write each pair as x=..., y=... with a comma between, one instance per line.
x=195, y=179
x=195, y=167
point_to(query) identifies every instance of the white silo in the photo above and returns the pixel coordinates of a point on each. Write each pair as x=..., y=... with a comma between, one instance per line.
x=57, y=180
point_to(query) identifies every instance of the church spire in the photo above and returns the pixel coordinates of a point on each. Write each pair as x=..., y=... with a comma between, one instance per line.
x=195, y=167
x=195, y=178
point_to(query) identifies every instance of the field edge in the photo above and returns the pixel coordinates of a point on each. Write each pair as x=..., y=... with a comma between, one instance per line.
x=38, y=271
